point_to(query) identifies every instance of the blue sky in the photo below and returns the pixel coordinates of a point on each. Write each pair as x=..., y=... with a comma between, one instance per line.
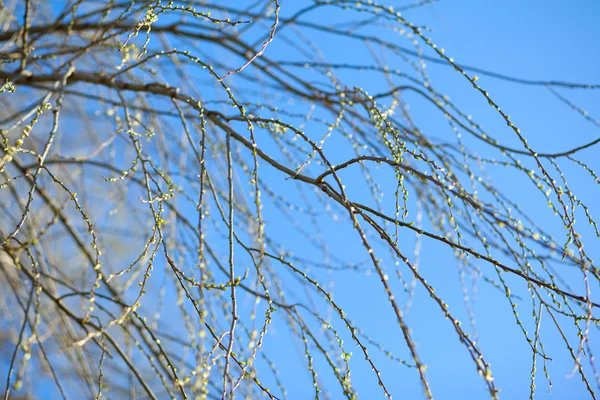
x=529, y=40
x=549, y=40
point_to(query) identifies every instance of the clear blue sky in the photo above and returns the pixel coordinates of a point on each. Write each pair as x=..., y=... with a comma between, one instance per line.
x=550, y=40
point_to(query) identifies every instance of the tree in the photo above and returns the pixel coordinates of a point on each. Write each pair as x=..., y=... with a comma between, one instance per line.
x=192, y=201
